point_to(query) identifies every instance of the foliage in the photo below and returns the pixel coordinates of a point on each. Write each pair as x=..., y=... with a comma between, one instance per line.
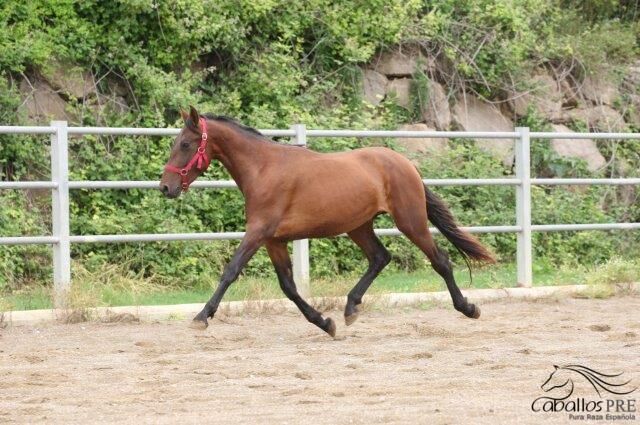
x=271, y=64
x=613, y=277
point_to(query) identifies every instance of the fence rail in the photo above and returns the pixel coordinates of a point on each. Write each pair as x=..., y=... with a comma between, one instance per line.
x=60, y=185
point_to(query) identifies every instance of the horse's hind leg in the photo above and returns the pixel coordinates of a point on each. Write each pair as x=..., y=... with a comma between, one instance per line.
x=378, y=258
x=418, y=233
x=282, y=263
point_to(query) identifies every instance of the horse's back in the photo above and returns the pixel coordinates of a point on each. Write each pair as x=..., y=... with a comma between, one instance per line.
x=329, y=194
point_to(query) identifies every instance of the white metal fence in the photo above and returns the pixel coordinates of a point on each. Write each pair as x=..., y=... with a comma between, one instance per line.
x=60, y=185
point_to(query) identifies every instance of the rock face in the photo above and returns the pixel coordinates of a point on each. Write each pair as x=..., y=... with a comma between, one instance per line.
x=547, y=97
x=631, y=89
x=374, y=86
x=598, y=118
x=631, y=81
x=633, y=110
x=585, y=149
x=470, y=114
x=398, y=64
x=400, y=88
x=42, y=103
x=436, y=112
x=70, y=81
x=599, y=91
x=423, y=145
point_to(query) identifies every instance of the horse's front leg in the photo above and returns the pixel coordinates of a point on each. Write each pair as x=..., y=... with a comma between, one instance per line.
x=282, y=263
x=248, y=247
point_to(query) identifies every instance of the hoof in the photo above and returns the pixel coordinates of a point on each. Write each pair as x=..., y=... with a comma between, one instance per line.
x=199, y=325
x=475, y=313
x=330, y=327
x=348, y=320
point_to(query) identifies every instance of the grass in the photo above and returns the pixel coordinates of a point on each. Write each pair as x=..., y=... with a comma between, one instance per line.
x=112, y=287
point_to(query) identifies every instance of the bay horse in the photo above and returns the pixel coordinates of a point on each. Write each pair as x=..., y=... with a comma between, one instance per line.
x=295, y=193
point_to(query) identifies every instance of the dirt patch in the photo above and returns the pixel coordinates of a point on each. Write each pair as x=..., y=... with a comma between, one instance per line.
x=393, y=366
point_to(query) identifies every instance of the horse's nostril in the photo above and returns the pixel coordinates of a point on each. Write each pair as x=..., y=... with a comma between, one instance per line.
x=164, y=189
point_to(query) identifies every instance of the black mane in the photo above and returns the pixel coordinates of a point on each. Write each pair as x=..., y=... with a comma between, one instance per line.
x=233, y=122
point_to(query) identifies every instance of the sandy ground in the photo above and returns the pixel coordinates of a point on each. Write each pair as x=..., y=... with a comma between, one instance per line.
x=394, y=366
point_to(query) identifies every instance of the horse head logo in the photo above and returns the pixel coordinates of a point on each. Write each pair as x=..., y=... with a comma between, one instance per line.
x=563, y=377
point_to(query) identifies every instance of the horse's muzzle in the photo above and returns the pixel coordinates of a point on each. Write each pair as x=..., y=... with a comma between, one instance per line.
x=170, y=193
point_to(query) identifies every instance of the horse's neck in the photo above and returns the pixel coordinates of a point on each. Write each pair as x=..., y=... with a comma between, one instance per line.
x=242, y=156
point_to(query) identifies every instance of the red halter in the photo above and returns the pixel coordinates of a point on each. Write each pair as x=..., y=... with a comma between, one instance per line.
x=200, y=159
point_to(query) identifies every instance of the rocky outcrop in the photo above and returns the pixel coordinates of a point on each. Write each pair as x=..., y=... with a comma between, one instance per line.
x=632, y=111
x=65, y=92
x=400, y=89
x=599, y=90
x=422, y=145
x=395, y=63
x=436, y=111
x=471, y=114
x=631, y=80
x=374, y=86
x=584, y=149
x=631, y=89
x=598, y=118
x=545, y=96
x=41, y=102
x=70, y=81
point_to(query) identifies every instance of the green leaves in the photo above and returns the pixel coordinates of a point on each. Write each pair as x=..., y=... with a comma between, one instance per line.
x=273, y=63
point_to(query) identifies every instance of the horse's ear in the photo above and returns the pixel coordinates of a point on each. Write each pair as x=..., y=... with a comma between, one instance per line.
x=184, y=115
x=194, y=115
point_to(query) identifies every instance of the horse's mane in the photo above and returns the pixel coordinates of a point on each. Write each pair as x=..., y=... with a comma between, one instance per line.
x=234, y=123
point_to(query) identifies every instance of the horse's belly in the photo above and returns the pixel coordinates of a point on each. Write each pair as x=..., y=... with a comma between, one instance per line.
x=329, y=215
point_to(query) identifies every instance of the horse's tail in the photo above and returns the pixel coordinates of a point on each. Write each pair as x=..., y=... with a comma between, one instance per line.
x=441, y=217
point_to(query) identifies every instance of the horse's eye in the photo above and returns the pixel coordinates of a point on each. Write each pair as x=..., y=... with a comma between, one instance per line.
x=185, y=145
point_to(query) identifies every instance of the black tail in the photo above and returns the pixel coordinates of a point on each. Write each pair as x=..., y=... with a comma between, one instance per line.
x=441, y=217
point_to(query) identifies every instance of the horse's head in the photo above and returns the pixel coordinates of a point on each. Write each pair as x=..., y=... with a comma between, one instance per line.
x=557, y=379
x=190, y=155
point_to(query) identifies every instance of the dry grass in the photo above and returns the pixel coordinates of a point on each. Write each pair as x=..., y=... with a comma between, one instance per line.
x=112, y=317
x=615, y=277
x=4, y=306
x=86, y=292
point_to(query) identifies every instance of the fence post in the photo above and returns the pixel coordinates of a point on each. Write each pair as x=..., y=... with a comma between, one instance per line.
x=523, y=207
x=301, y=247
x=60, y=213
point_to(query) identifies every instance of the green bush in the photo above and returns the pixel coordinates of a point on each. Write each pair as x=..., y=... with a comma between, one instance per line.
x=271, y=64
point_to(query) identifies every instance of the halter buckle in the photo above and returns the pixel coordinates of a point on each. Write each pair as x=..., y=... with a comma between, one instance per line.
x=201, y=149
x=183, y=172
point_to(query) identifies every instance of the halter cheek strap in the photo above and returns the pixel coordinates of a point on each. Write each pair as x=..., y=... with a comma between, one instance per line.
x=200, y=159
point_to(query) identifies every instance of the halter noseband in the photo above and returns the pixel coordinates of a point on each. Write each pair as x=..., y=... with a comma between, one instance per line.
x=200, y=159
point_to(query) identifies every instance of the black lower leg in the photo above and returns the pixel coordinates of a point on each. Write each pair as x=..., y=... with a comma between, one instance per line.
x=288, y=287
x=354, y=298
x=443, y=267
x=378, y=258
x=282, y=263
x=247, y=248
